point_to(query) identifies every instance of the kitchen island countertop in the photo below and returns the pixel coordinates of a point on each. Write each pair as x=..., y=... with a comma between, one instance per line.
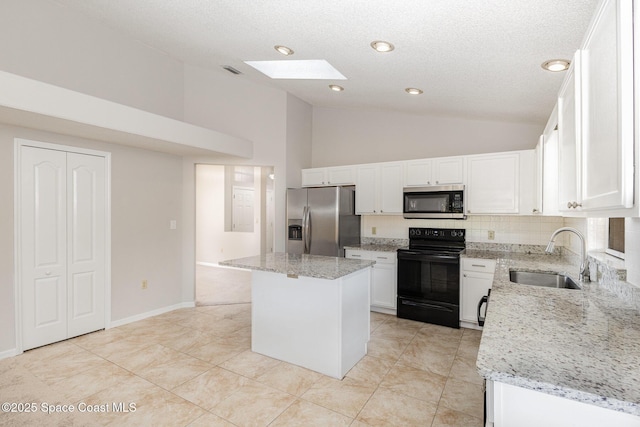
x=316, y=266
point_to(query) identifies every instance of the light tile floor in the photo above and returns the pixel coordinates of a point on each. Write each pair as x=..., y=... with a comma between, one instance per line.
x=194, y=367
x=222, y=285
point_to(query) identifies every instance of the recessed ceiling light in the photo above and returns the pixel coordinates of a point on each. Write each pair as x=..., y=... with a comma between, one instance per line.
x=283, y=50
x=382, y=46
x=556, y=65
x=413, y=91
x=336, y=88
x=311, y=69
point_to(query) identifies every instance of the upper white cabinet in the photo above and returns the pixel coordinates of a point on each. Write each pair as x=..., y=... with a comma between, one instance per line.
x=493, y=184
x=569, y=131
x=607, y=109
x=547, y=167
x=438, y=171
x=596, y=153
x=337, y=175
x=379, y=189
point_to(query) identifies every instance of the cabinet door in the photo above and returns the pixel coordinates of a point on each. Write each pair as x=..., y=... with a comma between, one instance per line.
x=607, y=109
x=340, y=175
x=569, y=139
x=474, y=287
x=314, y=177
x=366, y=187
x=383, y=286
x=391, y=188
x=448, y=170
x=418, y=172
x=493, y=184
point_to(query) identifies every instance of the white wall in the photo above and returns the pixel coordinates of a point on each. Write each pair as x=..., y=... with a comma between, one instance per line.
x=299, y=131
x=213, y=243
x=51, y=43
x=632, y=249
x=146, y=194
x=231, y=104
x=342, y=136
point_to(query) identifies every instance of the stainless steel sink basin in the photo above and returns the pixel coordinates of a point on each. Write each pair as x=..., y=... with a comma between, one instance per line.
x=536, y=278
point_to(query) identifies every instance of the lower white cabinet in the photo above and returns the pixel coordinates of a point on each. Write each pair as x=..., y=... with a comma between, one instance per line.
x=509, y=405
x=383, y=280
x=476, y=279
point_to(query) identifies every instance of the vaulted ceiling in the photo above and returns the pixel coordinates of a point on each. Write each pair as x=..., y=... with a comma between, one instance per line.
x=477, y=58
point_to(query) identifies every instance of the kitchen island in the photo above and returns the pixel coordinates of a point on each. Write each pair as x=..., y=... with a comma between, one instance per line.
x=309, y=310
x=559, y=357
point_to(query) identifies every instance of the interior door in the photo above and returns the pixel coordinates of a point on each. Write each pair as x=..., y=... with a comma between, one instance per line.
x=62, y=244
x=43, y=249
x=85, y=243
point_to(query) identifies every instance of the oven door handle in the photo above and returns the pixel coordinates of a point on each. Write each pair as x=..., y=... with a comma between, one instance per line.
x=426, y=305
x=418, y=256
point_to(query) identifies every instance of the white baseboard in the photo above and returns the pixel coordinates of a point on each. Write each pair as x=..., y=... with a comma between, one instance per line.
x=151, y=313
x=8, y=353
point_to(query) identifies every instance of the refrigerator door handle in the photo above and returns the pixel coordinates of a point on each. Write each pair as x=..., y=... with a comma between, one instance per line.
x=305, y=237
x=308, y=230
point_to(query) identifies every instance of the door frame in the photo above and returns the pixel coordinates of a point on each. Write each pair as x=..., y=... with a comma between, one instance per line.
x=17, y=282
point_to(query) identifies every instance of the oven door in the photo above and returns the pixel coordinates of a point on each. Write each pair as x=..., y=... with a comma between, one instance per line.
x=429, y=277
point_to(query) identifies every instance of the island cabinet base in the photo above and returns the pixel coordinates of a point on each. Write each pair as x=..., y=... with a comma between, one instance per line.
x=512, y=406
x=319, y=324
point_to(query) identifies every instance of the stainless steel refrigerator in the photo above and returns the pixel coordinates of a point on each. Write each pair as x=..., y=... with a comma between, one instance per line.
x=321, y=220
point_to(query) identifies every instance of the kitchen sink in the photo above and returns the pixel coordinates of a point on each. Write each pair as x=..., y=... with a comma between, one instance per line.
x=538, y=278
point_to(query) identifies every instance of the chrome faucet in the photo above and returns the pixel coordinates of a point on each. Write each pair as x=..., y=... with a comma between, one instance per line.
x=584, y=268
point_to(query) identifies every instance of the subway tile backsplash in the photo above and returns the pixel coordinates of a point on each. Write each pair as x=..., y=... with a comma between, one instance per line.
x=524, y=230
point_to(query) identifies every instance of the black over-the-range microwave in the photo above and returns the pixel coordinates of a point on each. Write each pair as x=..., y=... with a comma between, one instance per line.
x=438, y=202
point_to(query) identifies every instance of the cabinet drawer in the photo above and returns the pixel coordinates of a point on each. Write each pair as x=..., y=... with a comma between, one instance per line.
x=357, y=254
x=378, y=257
x=383, y=257
x=478, y=264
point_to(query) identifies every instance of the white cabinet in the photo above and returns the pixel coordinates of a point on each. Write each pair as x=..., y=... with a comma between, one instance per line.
x=337, y=175
x=379, y=189
x=547, y=177
x=596, y=152
x=607, y=109
x=509, y=405
x=476, y=280
x=383, y=280
x=438, y=171
x=493, y=184
x=569, y=130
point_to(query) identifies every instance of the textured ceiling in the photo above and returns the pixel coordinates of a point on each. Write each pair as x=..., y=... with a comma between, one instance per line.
x=472, y=58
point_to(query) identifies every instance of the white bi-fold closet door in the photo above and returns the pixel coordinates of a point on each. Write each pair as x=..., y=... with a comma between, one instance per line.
x=62, y=244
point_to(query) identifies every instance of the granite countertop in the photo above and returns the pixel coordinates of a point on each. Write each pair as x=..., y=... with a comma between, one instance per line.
x=578, y=344
x=317, y=266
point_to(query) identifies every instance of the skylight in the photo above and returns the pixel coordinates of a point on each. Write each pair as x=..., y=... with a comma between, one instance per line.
x=309, y=69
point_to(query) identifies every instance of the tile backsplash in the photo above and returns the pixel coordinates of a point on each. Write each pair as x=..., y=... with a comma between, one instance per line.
x=526, y=230
x=519, y=230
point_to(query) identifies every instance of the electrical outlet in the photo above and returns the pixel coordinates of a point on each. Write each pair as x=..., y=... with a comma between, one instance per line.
x=491, y=235
x=145, y=284
x=373, y=231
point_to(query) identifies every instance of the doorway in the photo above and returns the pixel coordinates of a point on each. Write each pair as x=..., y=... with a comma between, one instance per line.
x=62, y=242
x=235, y=215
